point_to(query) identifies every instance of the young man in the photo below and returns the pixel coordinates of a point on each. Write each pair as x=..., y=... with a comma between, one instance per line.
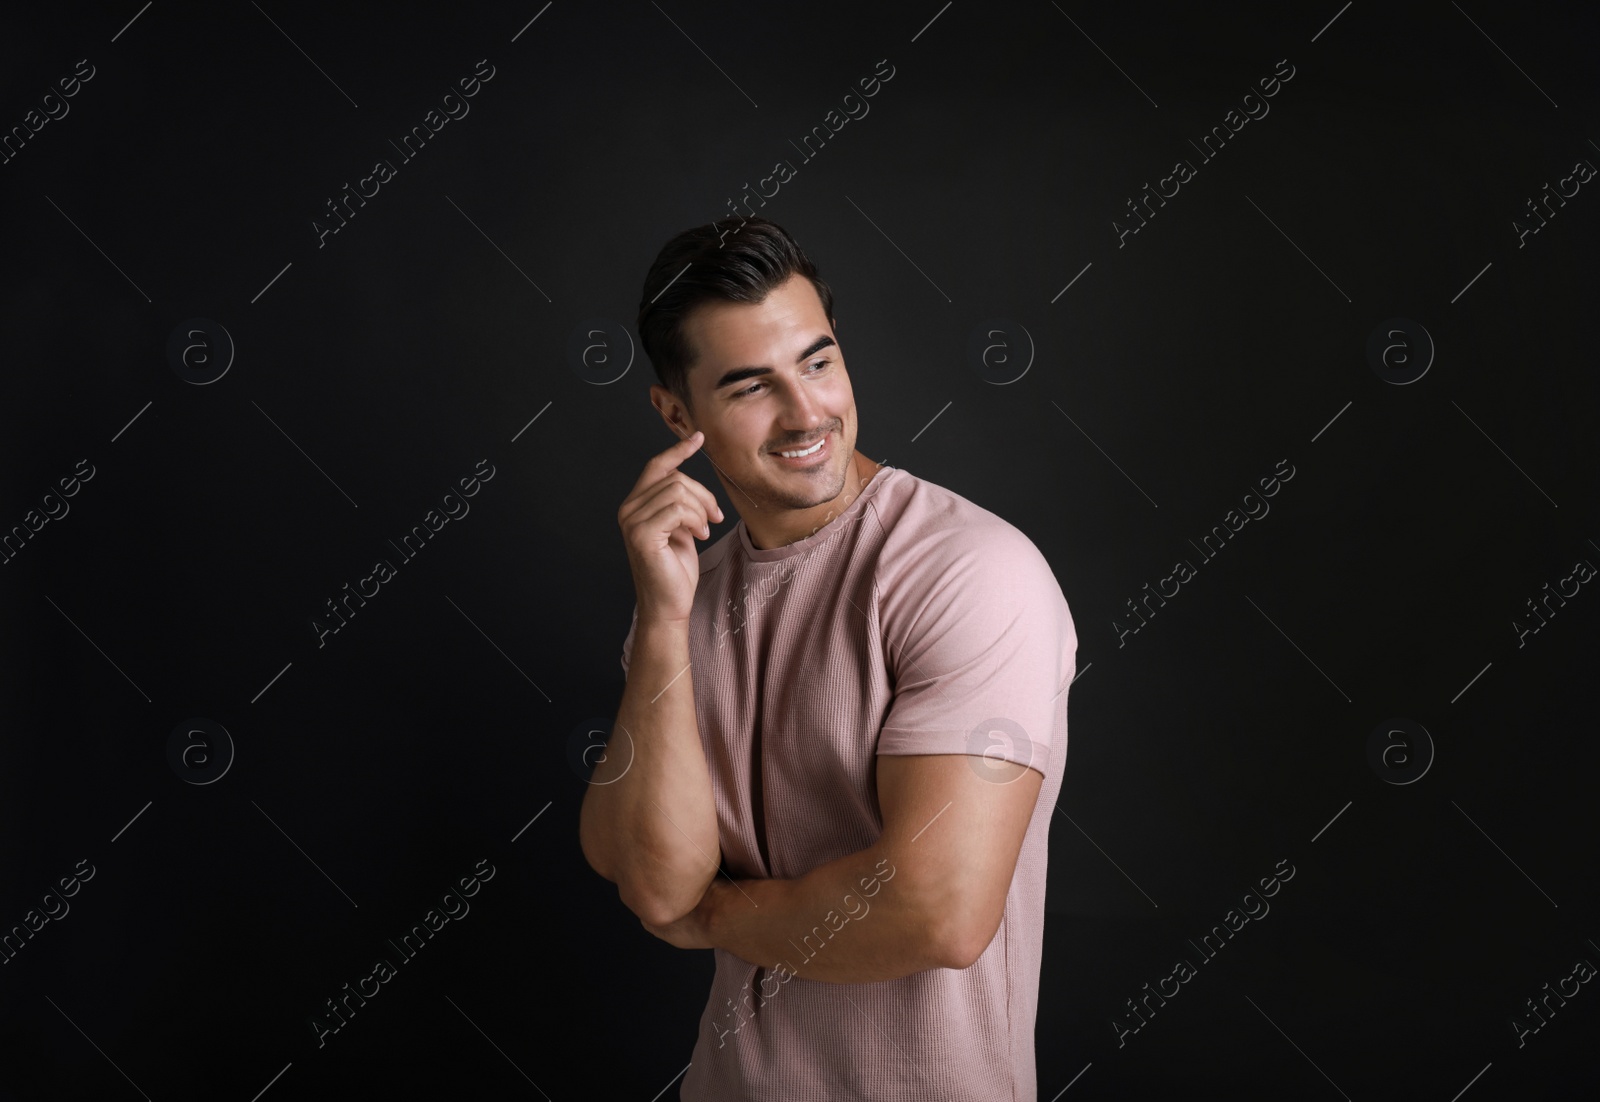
x=854, y=700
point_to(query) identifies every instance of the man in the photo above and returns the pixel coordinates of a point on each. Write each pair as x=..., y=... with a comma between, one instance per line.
x=854, y=700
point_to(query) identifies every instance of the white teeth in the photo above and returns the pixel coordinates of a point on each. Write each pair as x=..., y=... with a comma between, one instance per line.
x=799, y=455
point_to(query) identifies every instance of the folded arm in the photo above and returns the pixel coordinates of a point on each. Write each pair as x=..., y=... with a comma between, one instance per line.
x=929, y=893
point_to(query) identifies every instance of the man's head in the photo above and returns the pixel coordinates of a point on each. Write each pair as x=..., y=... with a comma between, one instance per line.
x=739, y=327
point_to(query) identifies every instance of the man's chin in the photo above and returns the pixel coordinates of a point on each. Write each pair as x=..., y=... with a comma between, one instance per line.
x=803, y=489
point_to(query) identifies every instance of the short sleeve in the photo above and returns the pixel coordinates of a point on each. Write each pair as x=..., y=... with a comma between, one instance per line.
x=627, y=644
x=982, y=648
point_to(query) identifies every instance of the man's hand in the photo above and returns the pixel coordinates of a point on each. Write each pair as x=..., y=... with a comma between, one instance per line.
x=662, y=516
x=693, y=930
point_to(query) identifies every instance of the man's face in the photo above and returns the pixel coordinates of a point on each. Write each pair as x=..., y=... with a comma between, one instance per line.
x=766, y=379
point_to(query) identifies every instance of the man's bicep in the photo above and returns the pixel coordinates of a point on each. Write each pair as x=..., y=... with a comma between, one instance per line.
x=954, y=825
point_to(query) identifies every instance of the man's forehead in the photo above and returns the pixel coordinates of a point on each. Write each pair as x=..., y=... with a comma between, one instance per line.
x=770, y=334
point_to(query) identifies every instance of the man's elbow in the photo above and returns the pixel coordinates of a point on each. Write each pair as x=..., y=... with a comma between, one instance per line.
x=961, y=944
x=649, y=904
x=953, y=952
x=652, y=908
x=646, y=906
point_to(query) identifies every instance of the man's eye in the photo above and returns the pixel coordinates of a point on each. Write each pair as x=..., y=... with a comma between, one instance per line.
x=755, y=386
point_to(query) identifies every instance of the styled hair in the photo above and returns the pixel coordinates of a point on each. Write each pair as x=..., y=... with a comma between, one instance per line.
x=733, y=259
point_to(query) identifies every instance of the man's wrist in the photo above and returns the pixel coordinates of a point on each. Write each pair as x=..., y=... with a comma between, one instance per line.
x=649, y=622
x=713, y=911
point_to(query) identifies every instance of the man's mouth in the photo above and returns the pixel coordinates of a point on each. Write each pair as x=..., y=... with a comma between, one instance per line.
x=805, y=452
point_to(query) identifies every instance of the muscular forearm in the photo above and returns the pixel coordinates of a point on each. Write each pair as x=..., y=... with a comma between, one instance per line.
x=648, y=820
x=849, y=921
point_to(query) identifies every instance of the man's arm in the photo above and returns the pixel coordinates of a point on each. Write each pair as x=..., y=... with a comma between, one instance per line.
x=648, y=821
x=929, y=893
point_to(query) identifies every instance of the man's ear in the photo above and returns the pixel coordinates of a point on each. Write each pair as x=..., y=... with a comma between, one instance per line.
x=664, y=402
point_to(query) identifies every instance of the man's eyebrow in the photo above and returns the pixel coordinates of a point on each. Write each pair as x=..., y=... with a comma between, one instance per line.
x=739, y=374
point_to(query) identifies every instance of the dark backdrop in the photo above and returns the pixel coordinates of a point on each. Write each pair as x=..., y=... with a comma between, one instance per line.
x=1353, y=286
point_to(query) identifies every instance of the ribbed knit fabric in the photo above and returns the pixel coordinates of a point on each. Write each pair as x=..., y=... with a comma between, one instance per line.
x=916, y=622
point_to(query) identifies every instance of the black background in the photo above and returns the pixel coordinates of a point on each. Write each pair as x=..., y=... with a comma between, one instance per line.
x=1390, y=579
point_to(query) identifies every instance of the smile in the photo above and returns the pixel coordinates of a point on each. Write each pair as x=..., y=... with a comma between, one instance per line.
x=817, y=453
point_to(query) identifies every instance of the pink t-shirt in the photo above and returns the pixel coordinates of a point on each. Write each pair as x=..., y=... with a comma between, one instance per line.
x=913, y=623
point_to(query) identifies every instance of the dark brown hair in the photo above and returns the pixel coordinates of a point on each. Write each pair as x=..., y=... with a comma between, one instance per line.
x=732, y=260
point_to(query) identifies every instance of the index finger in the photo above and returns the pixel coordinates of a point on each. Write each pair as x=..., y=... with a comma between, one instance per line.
x=666, y=461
